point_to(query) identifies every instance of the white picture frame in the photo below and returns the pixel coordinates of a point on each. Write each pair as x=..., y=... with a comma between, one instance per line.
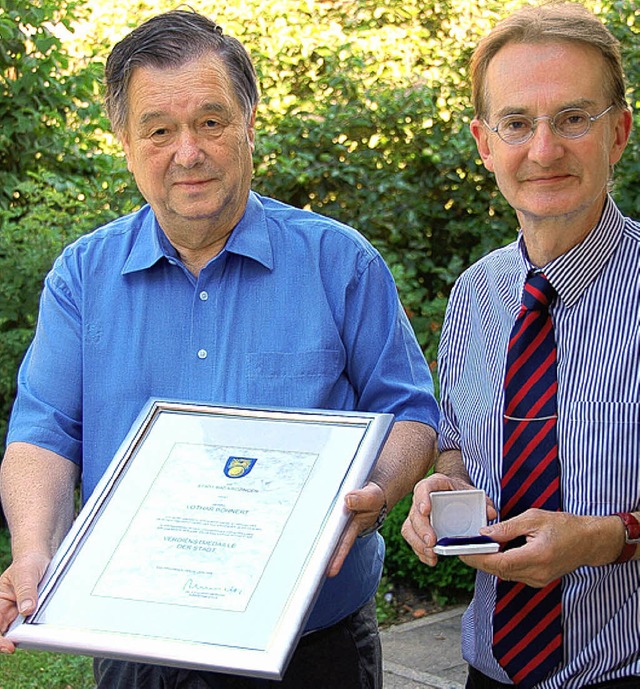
x=207, y=539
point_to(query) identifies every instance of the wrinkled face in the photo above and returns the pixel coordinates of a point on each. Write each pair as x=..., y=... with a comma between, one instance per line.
x=189, y=147
x=550, y=176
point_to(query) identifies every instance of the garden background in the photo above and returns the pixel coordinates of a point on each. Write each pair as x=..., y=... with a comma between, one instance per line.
x=364, y=116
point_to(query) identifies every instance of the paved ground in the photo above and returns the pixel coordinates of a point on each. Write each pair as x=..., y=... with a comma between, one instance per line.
x=425, y=653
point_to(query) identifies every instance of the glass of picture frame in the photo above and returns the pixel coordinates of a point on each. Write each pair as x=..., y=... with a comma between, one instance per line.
x=207, y=539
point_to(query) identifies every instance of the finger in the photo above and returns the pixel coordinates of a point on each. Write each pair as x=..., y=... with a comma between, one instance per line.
x=491, y=564
x=422, y=549
x=20, y=582
x=6, y=646
x=343, y=548
x=8, y=613
x=420, y=523
x=421, y=492
x=370, y=498
x=410, y=535
x=505, y=531
x=26, y=593
x=492, y=513
x=434, y=483
x=510, y=565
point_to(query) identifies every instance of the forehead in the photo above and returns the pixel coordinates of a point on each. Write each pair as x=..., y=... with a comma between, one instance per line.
x=203, y=80
x=544, y=76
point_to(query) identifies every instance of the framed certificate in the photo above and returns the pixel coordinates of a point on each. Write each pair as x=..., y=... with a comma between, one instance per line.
x=207, y=539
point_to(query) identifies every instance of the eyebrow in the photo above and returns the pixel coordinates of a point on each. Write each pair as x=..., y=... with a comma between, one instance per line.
x=581, y=103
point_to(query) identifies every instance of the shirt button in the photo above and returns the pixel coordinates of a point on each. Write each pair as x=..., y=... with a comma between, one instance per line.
x=202, y=354
x=204, y=295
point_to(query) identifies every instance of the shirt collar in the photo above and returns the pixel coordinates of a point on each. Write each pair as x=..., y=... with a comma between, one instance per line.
x=146, y=249
x=572, y=272
x=250, y=238
x=251, y=235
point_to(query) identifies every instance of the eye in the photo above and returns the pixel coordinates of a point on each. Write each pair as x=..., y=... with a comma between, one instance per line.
x=572, y=121
x=573, y=117
x=211, y=126
x=514, y=124
x=159, y=134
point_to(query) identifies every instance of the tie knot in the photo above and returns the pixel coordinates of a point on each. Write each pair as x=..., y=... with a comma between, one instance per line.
x=538, y=292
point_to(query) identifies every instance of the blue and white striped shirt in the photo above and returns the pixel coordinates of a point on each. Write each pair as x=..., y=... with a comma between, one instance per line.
x=597, y=326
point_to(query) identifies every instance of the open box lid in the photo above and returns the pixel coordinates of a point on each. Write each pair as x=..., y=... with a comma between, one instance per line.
x=457, y=517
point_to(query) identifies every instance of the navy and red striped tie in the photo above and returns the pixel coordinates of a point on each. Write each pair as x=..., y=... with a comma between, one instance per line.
x=527, y=631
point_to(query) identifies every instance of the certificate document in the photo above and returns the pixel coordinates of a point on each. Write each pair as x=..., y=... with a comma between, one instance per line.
x=207, y=506
x=206, y=541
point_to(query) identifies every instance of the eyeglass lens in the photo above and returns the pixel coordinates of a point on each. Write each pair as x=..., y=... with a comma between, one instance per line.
x=568, y=123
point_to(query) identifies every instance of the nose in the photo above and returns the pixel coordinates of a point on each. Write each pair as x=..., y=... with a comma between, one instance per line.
x=545, y=145
x=188, y=152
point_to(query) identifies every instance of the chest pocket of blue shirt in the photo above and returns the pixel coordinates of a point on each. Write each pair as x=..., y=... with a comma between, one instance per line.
x=600, y=461
x=306, y=379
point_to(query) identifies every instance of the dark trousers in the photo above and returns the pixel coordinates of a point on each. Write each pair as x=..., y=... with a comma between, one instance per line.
x=345, y=656
x=476, y=680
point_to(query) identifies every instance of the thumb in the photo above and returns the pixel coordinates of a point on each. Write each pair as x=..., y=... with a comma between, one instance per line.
x=27, y=602
x=26, y=576
x=368, y=498
x=502, y=532
x=26, y=592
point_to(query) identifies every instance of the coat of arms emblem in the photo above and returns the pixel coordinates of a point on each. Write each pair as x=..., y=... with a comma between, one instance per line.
x=238, y=467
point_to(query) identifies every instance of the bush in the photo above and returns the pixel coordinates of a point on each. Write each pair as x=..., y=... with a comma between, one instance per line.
x=49, y=110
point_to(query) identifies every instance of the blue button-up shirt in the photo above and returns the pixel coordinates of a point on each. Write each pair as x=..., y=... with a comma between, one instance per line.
x=296, y=311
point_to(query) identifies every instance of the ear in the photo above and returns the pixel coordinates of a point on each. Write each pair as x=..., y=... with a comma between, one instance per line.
x=621, y=132
x=124, y=140
x=481, y=135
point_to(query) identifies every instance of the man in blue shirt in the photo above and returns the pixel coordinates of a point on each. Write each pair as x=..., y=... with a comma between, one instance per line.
x=211, y=293
x=551, y=121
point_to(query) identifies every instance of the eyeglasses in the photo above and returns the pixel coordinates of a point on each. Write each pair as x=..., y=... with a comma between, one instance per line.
x=571, y=123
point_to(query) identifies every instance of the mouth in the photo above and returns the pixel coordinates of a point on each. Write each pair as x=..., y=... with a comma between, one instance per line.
x=192, y=186
x=548, y=179
x=191, y=182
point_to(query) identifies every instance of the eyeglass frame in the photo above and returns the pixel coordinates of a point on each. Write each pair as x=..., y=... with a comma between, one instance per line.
x=551, y=118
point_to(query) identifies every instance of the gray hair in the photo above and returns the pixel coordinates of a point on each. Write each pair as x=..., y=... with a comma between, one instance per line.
x=171, y=40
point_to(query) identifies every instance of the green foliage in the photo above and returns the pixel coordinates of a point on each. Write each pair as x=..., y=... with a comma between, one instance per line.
x=623, y=18
x=385, y=610
x=372, y=161
x=48, y=112
x=450, y=581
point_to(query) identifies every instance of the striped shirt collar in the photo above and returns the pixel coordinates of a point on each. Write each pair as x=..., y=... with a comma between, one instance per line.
x=572, y=272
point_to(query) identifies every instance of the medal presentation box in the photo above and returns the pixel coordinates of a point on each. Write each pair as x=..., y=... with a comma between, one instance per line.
x=457, y=517
x=207, y=540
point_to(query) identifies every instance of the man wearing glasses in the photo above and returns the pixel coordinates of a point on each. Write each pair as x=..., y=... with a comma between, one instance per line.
x=539, y=369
